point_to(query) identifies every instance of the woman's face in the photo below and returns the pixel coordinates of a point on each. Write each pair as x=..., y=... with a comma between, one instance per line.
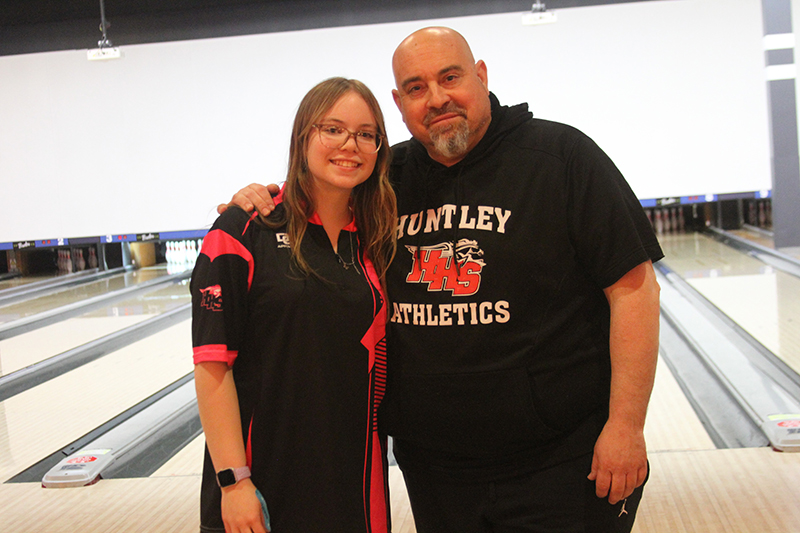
x=340, y=169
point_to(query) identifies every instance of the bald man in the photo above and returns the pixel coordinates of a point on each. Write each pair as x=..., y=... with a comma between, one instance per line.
x=524, y=333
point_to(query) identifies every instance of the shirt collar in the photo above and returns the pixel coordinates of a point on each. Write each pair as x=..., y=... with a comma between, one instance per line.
x=314, y=219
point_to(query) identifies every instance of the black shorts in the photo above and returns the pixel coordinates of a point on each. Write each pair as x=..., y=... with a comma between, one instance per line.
x=556, y=500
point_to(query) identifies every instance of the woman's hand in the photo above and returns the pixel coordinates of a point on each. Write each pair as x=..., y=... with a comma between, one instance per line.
x=241, y=510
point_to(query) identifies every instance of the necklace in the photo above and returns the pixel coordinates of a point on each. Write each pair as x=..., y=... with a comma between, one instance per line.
x=352, y=262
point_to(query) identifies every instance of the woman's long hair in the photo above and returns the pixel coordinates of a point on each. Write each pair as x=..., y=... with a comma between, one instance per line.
x=373, y=201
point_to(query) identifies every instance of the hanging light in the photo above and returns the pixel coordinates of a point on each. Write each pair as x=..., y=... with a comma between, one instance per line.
x=104, y=50
x=539, y=14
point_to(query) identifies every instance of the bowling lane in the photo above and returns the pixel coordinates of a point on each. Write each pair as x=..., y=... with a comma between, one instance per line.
x=765, y=302
x=35, y=346
x=38, y=422
x=70, y=295
x=765, y=238
x=672, y=424
x=760, y=237
x=187, y=462
x=19, y=281
x=792, y=252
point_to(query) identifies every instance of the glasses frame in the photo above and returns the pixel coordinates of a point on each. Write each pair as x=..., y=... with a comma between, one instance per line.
x=353, y=134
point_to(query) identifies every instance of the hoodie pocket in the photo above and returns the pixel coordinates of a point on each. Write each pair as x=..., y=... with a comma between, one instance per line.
x=480, y=414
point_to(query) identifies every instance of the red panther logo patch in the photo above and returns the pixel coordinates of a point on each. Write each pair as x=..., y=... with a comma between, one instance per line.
x=436, y=266
x=212, y=298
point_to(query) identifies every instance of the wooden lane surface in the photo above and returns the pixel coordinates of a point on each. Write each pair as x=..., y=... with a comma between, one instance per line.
x=693, y=488
x=77, y=293
x=187, y=462
x=767, y=306
x=38, y=422
x=672, y=424
x=757, y=237
x=746, y=490
x=693, y=255
x=763, y=301
x=34, y=346
x=750, y=490
x=163, y=505
x=23, y=280
x=793, y=251
x=767, y=241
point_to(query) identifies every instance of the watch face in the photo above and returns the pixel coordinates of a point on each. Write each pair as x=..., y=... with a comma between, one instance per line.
x=226, y=478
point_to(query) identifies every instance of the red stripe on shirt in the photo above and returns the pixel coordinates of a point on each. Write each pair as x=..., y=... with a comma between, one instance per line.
x=218, y=243
x=254, y=215
x=248, y=450
x=377, y=330
x=214, y=352
x=374, y=340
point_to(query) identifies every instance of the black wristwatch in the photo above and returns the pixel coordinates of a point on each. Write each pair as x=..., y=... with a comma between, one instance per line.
x=232, y=476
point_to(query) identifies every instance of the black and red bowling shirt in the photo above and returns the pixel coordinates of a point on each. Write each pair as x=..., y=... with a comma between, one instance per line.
x=308, y=356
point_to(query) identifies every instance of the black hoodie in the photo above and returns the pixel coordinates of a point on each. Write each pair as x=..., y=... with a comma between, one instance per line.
x=500, y=359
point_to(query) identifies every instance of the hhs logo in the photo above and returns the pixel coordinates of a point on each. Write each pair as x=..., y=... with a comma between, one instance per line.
x=442, y=270
x=212, y=298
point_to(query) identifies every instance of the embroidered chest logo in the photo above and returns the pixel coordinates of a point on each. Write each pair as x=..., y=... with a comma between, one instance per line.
x=443, y=270
x=283, y=240
x=211, y=298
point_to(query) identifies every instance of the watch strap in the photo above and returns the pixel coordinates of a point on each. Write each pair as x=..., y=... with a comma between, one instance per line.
x=232, y=476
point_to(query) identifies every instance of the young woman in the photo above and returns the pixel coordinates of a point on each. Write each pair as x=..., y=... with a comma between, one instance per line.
x=288, y=332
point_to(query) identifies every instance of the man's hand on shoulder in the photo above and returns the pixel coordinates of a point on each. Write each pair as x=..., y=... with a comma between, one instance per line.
x=254, y=196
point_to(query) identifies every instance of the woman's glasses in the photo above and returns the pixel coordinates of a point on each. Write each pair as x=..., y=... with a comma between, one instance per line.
x=334, y=137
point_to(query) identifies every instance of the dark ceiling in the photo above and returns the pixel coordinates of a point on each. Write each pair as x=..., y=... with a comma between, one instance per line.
x=48, y=11
x=28, y=26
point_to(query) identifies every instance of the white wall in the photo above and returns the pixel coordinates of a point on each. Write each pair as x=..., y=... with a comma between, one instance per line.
x=674, y=91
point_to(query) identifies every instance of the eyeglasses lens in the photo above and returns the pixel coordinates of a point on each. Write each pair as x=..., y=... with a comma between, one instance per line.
x=335, y=137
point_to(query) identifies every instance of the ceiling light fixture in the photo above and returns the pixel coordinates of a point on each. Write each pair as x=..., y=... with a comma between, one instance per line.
x=105, y=49
x=538, y=15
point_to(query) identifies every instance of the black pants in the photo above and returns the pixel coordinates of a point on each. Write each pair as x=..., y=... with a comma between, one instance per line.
x=556, y=500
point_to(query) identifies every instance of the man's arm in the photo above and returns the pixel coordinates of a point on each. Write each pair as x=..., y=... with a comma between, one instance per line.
x=253, y=196
x=619, y=464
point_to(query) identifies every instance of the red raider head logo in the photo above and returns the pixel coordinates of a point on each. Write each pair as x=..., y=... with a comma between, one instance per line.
x=212, y=298
x=434, y=265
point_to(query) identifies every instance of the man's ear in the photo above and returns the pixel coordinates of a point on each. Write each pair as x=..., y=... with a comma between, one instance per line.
x=398, y=102
x=480, y=70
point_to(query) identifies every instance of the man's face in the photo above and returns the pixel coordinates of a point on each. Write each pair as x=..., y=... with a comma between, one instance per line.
x=442, y=95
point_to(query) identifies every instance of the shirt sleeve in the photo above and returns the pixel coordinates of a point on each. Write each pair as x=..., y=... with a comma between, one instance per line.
x=609, y=228
x=220, y=284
